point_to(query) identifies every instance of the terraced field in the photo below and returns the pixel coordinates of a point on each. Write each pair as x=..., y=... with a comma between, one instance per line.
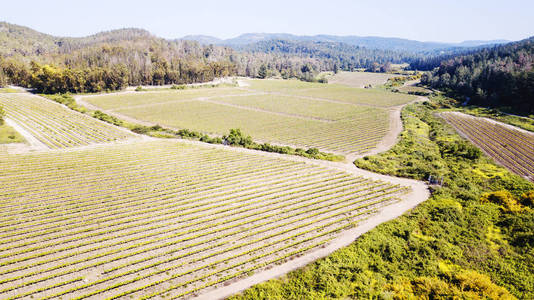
x=511, y=147
x=332, y=118
x=56, y=126
x=162, y=218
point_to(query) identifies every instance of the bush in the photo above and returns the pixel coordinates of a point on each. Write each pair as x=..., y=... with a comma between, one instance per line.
x=502, y=198
x=313, y=151
x=107, y=118
x=178, y=87
x=67, y=100
x=460, y=149
x=140, y=129
x=139, y=89
x=237, y=138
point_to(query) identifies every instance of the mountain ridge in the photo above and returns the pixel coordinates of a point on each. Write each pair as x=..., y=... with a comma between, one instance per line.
x=375, y=42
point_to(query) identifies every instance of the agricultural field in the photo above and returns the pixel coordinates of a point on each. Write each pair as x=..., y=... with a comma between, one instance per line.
x=332, y=92
x=335, y=119
x=359, y=79
x=121, y=100
x=56, y=126
x=187, y=219
x=511, y=147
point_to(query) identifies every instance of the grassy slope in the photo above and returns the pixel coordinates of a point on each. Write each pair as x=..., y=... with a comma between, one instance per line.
x=451, y=245
x=9, y=135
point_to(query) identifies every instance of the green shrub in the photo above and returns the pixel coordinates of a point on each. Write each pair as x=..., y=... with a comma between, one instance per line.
x=237, y=138
x=140, y=129
x=2, y=115
x=107, y=118
x=502, y=198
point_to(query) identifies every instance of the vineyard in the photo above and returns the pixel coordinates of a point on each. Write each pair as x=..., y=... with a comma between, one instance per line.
x=332, y=118
x=56, y=126
x=188, y=218
x=359, y=79
x=332, y=92
x=512, y=148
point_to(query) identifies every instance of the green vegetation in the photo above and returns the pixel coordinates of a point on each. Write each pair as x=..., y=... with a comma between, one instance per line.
x=502, y=76
x=66, y=100
x=460, y=243
x=131, y=57
x=107, y=118
x=9, y=135
x=235, y=137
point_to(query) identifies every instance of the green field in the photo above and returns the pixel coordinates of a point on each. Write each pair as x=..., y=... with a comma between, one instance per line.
x=9, y=135
x=163, y=218
x=332, y=118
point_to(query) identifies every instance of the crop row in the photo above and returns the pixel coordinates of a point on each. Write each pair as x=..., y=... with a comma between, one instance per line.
x=56, y=126
x=172, y=214
x=512, y=148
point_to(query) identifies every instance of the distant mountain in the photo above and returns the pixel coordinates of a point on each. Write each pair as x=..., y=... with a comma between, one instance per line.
x=372, y=42
x=203, y=39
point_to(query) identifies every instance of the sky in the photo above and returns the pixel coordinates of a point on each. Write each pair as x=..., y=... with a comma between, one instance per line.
x=423, y=20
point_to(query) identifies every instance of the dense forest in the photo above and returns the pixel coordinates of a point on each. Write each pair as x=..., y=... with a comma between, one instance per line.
x=331, y=54
x=501, y=76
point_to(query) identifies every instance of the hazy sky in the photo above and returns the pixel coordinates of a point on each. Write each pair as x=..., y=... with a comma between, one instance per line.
x=425, y=20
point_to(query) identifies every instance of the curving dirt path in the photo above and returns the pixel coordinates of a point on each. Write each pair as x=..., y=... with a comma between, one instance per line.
x=418, y=195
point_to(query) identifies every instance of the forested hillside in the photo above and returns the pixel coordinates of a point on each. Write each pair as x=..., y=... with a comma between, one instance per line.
x=105, y=61
x=332, y=54
x=114, y=59
x=502, y=76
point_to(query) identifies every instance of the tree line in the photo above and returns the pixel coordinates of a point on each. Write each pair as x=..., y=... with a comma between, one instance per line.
x=131, y=57
x=502, y=76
